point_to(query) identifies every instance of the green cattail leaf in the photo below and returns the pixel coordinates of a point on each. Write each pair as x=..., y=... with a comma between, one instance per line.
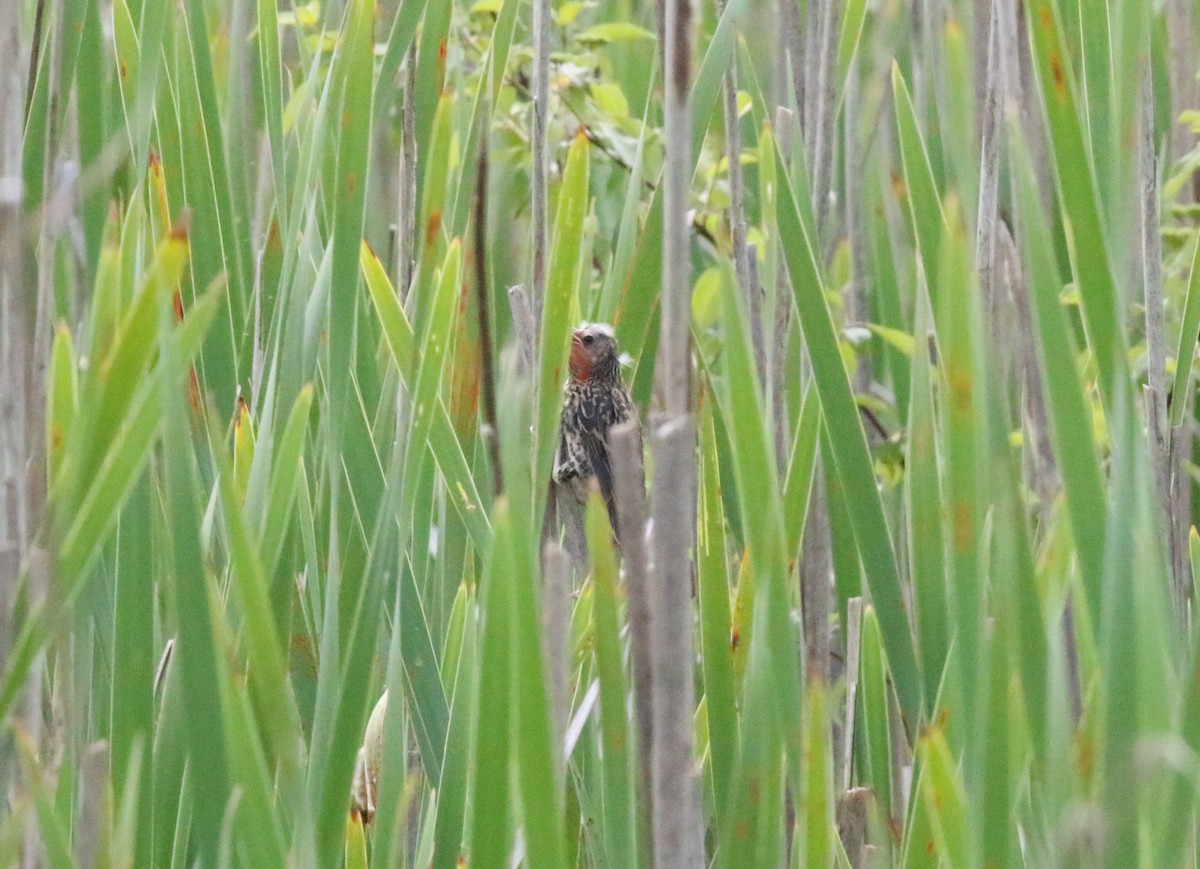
x=61, y=398
x=850, y=453
x=619, y=801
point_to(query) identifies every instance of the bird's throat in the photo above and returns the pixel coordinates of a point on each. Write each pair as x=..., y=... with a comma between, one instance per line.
x=581, y=366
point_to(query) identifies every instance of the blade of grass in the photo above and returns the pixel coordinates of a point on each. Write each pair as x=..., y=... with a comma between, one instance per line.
x=620, y=827
x=849, y=449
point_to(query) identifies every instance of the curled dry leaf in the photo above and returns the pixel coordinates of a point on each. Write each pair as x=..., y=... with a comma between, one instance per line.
x=370, y=757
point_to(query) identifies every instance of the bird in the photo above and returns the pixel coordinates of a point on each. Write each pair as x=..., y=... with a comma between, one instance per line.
x=594, y=400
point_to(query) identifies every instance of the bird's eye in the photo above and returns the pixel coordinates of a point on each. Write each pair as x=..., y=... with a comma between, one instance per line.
x=589, y=339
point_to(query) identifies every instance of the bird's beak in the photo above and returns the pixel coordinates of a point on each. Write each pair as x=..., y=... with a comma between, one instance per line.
x=577, y=338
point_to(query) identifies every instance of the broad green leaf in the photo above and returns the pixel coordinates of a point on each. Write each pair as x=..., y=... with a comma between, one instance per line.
x=1077, y=188
x=921, y=196
x=1066, y=405
x=617, y=31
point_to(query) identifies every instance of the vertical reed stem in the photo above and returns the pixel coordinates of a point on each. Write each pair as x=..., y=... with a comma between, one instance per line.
x=677, y=830
x=541, y=96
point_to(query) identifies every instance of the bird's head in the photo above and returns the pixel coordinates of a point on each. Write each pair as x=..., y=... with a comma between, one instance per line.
x=594, y=353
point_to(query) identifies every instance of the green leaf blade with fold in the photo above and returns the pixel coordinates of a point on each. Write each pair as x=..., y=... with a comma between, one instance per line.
x=850, y=451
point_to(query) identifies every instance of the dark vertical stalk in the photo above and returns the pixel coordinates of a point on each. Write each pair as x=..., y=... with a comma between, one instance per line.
x=483, y=308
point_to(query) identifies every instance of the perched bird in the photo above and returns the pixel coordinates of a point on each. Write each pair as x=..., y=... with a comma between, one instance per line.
x=594, y=401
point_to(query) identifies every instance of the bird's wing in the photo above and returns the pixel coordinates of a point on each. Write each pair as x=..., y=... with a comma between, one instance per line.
x=567, y=463
x=596, y=450
x=621, y=409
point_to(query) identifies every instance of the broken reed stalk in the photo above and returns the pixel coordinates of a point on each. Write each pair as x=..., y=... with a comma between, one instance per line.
x=541, y=96
x=629, y=490
x=675, y=799
x=853, y=816
x=90, y=838
x=483, y=309
x=17, y=318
